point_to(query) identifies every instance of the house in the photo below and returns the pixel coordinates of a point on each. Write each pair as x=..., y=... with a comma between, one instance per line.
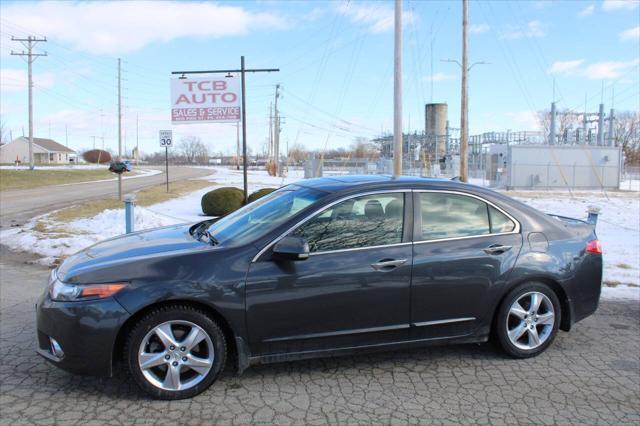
x=45, y=151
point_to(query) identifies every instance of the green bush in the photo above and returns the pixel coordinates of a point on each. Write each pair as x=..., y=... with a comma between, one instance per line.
x=222, y=201
x=260, y=193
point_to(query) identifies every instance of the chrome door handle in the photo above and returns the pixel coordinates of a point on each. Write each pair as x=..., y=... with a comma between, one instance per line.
x=388, y=264
x=496, y=249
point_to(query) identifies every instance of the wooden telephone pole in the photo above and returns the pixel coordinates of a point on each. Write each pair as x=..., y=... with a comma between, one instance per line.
x=397, y=91
x=464, y=101
x=29, y=43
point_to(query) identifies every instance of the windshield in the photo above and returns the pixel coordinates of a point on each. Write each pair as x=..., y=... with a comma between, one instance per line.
x=263, y=215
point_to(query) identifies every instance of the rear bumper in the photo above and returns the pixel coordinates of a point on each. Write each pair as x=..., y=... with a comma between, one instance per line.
x=586, y=287
x=86, y=332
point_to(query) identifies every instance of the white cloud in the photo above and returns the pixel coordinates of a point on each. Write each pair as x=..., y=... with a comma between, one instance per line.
x=15, y=80
x=315, y=14
x=532, y=29
x=587, y=11
x=609, y=70
x=630, y=34
x=610, y=5
x=523, y=120
x=122, y=27
x=478, y=28
x=566, y=67
x=595, y=71
x=439, y=76
x=378, y=16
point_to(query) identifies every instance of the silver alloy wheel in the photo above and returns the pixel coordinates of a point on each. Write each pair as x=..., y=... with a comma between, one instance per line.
x=530, y=320
x=176, y=355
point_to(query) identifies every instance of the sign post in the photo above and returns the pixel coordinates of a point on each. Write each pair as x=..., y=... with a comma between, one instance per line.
x=166, y=140
x=211, y=100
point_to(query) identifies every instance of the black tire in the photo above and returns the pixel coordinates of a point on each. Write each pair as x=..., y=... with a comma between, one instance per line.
x=504, y=319
x=162, y=315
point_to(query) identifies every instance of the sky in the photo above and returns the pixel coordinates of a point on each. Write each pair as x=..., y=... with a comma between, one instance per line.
x=335, y=60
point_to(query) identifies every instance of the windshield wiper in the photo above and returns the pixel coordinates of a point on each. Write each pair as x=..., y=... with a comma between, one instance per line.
x=201, y=230
x=212, y=240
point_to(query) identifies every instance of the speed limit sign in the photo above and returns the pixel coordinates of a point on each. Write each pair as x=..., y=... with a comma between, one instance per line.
x=166, y=138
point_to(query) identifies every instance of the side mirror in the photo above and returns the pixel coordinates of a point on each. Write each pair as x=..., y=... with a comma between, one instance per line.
x=291, y=248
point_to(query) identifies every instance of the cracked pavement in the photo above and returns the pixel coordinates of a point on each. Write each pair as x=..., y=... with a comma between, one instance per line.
x=590, y=375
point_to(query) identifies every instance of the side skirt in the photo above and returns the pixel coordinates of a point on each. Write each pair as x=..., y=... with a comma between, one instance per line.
x=293, y=356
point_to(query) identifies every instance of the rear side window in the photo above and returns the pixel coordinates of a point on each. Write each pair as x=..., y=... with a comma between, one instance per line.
x=450, y=216
x=371, y=220
x=500, y=222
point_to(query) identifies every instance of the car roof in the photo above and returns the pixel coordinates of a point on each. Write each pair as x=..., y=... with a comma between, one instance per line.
x=362, y=182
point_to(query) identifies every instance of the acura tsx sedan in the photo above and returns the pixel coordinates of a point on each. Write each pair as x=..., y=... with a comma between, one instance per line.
x=323, y=267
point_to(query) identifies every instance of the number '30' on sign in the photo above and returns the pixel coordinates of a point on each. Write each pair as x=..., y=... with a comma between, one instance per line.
x=166, y=138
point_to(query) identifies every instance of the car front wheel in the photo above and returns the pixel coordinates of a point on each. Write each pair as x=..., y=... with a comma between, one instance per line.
x=528, y=320
x=175, y=352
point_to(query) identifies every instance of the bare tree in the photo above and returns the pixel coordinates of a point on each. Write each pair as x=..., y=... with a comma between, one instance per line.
x=298, y=153
x=3, y=132
x=565, y=120
x=627, y=135
x=364, y=148
x=193, y=150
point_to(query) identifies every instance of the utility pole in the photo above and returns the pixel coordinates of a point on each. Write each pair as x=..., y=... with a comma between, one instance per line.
x=397, y=91
x=243, y=111
x=271, y=151
x=29, y=43
x=137, y=140
x=464, y=109
x=237, y=146
x=464, y=99
x=612, y=140
x=119, y=127
x=276, y=132
x=601, y=125
x=552, y=124
x=584, y=123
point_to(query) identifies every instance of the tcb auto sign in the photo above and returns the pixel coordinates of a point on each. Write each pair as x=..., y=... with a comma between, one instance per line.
x=205, y=100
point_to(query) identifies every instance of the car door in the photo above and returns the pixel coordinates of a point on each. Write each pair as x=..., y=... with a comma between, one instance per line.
x=464, y=248
x=353, y=289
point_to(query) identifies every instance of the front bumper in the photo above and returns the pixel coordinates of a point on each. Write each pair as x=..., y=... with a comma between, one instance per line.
x=86, y=331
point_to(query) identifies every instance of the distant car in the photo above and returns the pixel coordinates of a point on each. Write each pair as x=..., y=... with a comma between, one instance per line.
x=323, y=267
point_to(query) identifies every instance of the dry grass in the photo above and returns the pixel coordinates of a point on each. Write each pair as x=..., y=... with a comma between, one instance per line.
x=624, y=266
x=25, y=179
x=614, y=284
x=144, y=197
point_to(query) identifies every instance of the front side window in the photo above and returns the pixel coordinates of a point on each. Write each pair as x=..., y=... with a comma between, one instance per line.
x=447, y=215
x=367, y=221
x=263, y=215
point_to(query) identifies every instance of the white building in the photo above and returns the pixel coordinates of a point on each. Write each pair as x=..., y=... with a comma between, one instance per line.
x=45, y=151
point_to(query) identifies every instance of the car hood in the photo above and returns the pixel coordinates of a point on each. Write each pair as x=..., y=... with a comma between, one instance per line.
x=130, y=248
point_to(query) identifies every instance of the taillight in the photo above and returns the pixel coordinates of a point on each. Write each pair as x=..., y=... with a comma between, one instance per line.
x=594, y=246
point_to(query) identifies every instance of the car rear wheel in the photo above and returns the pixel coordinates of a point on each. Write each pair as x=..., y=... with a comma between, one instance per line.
x=528, y=320
x=175, y=352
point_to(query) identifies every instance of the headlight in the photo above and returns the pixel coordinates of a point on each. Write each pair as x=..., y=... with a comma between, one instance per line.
x=64, y=292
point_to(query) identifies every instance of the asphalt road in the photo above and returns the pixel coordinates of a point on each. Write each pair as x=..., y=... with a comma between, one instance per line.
x=18, y=206
x=590, y=375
